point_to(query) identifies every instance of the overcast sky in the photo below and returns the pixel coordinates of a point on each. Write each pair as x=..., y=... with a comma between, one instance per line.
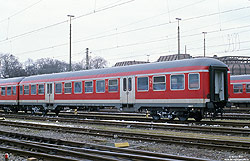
x=120, y=30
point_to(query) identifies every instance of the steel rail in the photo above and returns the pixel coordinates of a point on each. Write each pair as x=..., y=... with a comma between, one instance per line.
x=201, y=142
x=141, y=119
x=91, y=151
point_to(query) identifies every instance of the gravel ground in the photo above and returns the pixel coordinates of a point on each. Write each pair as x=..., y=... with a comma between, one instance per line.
x=149, y=146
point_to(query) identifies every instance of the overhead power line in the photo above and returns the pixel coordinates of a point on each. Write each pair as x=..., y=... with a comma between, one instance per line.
x=61, y=22
x=21, y=11
x=133, y=44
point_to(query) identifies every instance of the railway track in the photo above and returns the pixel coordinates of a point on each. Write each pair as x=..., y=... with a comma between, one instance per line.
x=55, y=149
x=227, y=115
x=229, y=145
x=132, y=118
x=155, y=126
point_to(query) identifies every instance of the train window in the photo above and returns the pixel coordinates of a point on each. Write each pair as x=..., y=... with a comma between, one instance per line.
x=67, y=87
x=8, y=91
x=3, y=91
x=248, y=88
x=78, y=87
x=238, y=88
x=124, y=84
x=14, y=90
x=89, y=87
x=177, y=82
x=33, y=89
x=159, y=83
x=26, y=89
x=100, y=86
x=142, y=83
x=130, y=84
x=21, y=90
x=193, y=81
x=41, y=89
x=58, y=88
x=113, y=85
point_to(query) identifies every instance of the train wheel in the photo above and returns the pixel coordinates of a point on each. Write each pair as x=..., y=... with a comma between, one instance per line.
x=198, y=117
x=156, y=117
x=183, y=117
x=45, y=112
x=57, y=112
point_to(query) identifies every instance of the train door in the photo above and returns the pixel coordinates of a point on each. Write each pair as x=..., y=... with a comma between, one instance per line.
x=49, y=93
x=127, y=90
x=218, y=84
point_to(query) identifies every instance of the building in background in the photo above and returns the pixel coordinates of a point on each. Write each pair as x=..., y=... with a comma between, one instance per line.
x=238, y=65
x=125, y=63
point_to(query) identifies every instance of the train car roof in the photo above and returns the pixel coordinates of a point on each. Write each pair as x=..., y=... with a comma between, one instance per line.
x=11, y=81
x=126, y=70
x=240, y=77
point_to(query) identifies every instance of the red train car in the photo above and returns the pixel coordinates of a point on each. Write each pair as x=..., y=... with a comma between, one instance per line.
x=9, y=98
x=183, y=89
x=240, y=90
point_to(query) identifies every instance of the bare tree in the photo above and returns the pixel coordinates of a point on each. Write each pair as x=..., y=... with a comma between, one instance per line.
x=97, y=63
x=48, y=65
x=30, y=67
x=10, y=66
x=77, y=66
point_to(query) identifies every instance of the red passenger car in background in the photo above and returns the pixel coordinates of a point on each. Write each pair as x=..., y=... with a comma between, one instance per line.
x=240, y=90
x=183, y=89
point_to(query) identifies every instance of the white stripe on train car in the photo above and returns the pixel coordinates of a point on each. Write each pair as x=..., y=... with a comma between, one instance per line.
x=154, y=101
x=171, y=101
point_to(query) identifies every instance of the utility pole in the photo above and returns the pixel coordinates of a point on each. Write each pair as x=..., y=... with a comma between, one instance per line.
x=178, y=29
x=70, y=16
x=204, y=43
x=87, y=58
x=148, y=57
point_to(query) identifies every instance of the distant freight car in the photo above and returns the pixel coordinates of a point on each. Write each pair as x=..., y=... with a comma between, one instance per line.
x=183, y=89
x=240, y=90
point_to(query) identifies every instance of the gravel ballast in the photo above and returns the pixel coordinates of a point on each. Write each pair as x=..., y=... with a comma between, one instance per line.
x=149, y=146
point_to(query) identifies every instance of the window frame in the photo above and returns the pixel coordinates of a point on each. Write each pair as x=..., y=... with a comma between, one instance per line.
x=247, y=88
x=75, y=87
x=68, y=87
x=96, y=85
x=138, y=84
x=28, y=89
x=124, y=84
x=159, y=83
x=21, y=90
x=7, y=91
x=89, y=86
x=198, y=81
x=31, y=89
x=171, y=82
x=113, y=85
x=4, y=91
x=130, y=84
x=241, y=88
x=39, y=90
x=12, y=91
x=55, y=87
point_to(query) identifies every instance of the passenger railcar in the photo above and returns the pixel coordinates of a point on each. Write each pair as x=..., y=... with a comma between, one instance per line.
x=183, y=89
x=240, y=90
x=10, y=93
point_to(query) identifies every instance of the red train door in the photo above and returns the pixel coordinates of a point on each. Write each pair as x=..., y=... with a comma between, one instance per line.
x=49, y=93
x=128, y=90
